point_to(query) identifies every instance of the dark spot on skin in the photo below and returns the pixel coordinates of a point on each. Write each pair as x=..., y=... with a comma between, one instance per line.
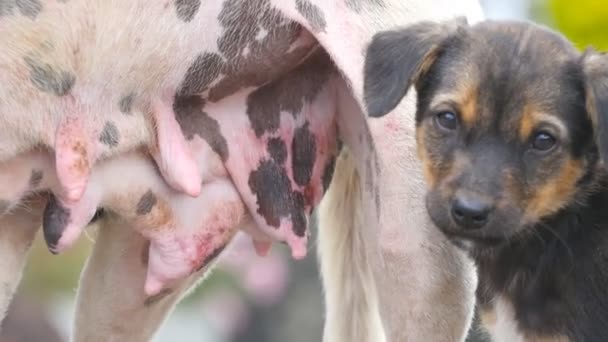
x=110, y=135
x=157, y=297
x=242, y=21
x=252, y=59
x=303, y=150
x=211, y=257
x=29, y=8
x=6, y=7
x=297, y=214
x=201, y=73
x=4, y=205
x=186, y=9
x=313, y=14
x=357, y=5
x=146, y=203
x=272, y=186
x=264, y=105
x=55, y=219
x=275, y=198
x=193, y=121
x=49, y=80
x=126, y=103
x=35, y=179
x=277, y=150
x=328, y=173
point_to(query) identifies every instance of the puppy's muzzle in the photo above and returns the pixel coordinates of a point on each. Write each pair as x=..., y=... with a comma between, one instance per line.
x=470, y=211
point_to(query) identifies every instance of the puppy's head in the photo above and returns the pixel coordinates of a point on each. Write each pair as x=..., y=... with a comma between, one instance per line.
x=512, y=121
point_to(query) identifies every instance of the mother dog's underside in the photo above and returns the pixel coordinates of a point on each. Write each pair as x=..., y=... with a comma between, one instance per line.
x=385, y=274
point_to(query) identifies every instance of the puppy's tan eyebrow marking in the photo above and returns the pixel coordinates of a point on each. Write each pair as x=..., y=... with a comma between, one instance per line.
x=464, y=101
x=531, y=118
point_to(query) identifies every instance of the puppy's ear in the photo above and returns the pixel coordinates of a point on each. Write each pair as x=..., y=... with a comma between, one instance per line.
x=595, y=67
x=396, y=59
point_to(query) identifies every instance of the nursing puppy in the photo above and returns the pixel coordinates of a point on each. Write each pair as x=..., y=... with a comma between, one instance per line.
x=512, y=131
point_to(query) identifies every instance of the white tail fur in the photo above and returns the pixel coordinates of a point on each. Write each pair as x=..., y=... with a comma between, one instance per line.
x=351, y=301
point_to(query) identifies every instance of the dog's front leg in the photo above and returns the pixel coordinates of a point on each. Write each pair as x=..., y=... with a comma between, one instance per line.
x=17, y=231
x=111, y=303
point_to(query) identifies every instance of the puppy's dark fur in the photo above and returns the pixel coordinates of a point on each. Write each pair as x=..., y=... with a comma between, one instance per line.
x=512, y=130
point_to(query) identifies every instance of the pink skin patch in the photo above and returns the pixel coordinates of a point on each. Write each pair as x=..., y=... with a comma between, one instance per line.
x=73, y=157
x=202, y=228
x=173, y=156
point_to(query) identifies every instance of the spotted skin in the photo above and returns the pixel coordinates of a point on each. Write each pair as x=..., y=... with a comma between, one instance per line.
x=303, y=151
x=27, y=8
x=194, y=121
x=312, y=13
x=49, y=79
x=110, y=136
x=36, y=178
x=146, y=203
x=277, y=150
x=187, y=9
x=126, y=103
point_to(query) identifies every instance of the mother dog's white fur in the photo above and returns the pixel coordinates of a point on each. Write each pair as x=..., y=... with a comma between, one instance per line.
x=386, y=277
x=351, y=299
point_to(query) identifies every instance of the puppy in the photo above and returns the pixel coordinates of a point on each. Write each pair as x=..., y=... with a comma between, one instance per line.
x=512, y=131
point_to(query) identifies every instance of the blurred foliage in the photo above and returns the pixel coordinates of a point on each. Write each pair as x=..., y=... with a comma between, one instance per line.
x=47, y=274
x=584, y=22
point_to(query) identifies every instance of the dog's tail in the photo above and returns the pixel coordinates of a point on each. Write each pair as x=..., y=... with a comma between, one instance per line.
x=351, y=300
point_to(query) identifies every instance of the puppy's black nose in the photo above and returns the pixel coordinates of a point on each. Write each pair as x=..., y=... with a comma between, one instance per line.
x=470, y=211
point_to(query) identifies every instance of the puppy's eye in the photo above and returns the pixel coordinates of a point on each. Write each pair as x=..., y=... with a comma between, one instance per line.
x=447, y=120
x=543, y=141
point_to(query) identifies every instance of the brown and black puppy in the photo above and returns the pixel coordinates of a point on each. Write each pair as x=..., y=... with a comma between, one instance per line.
x=512, y=129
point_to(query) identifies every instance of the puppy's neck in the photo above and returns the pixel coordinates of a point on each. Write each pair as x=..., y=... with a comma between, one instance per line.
x=541, y=262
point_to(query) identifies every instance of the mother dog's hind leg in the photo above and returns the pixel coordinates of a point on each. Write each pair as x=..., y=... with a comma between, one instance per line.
x=111, y=303
x=18, y=229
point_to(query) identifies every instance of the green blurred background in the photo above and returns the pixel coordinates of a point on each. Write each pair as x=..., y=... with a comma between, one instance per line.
x=585, y=22
x=44, y=304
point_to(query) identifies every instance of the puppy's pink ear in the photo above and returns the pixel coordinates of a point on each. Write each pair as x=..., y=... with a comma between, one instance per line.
x=595, y=67
x=397, y=59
